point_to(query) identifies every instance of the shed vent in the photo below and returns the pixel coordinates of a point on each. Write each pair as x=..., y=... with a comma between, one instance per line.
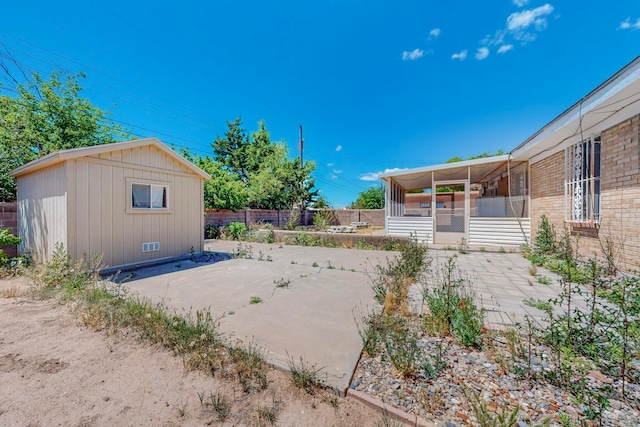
x=150, y=246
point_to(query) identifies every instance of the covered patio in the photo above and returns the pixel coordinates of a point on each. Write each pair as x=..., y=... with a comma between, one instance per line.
x=483, y=201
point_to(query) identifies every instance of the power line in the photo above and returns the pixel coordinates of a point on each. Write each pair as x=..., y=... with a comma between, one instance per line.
x=207, y=126
x=120, y=81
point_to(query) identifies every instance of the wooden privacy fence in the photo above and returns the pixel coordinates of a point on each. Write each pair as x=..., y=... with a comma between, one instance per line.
x=278, y=218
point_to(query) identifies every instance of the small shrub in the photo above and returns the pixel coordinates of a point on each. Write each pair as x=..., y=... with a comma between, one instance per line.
x=243, y=251
x=6, y=238
x=220, y=405
x=270, y=237
x=293, y=220
x=323, y=219
x=237, y=230
x=371, y=330
x=391, y=282
x=463, y=246
x=452, y=307
x=255, y=300
x=402, y=349
x=545, y=240
x=544, y=280
x=267, y=414
x=304, y=376
x=282, y=283
x=211, y=231
x=361, y=244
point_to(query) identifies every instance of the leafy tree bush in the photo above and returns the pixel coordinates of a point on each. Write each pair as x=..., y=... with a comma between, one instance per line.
x=47, y=116
x=372, y=198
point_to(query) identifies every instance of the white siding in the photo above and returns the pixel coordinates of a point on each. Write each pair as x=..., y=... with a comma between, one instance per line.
x=42, y=211
x=421, y=227
x=499, y=231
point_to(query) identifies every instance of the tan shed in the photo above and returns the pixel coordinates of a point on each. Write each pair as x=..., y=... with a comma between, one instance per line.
x=132, y=202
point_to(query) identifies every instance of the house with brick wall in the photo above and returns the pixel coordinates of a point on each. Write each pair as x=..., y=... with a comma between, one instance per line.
x=581, y=170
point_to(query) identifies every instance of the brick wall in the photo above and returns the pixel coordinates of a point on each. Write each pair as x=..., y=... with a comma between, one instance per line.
x=619, y=156
x=9, y=219
x=620, y=195
x=547, y=191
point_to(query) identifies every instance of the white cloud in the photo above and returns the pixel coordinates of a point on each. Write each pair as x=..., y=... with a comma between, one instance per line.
x=433, y=34
x=505, y=48
x=339, y=148
x=482, y=53
x=374, y=176
x=461, y=56
x=627, y=24
x=495, y=40
x=520, y=3
x=520, y=21
x=334, y=176
x=370, y=176
x=337, y=171
x=413, y=55
x=330, y=165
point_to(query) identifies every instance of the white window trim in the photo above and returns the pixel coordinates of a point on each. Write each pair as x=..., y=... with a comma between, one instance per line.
x=577, y=184
x=130, y=182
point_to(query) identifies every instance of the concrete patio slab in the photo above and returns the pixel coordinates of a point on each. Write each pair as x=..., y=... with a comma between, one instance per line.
x=308, y=296
x=309, y=318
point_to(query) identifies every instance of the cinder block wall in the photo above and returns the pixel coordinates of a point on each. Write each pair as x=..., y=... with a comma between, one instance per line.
x=374, y=217
x=620, y=195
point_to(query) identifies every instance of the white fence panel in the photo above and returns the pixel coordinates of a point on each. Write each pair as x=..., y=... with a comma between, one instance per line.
x=421, y=227
x=499, y=231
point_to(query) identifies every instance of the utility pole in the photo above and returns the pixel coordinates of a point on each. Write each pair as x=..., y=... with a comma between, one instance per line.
x=301, y=144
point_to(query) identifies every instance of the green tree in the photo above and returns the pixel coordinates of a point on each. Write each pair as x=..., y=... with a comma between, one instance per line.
x=321, y=203
x=224, y=190
x=271, y=179
x=47, y=116
x=372, y=198
x=455, y=159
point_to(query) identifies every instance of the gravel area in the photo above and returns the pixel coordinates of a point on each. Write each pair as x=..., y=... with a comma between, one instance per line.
x=442, y=400
x=211, y=257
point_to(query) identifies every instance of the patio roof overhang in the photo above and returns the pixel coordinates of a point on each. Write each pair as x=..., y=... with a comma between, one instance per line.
x=475, y=170
x=612, y=102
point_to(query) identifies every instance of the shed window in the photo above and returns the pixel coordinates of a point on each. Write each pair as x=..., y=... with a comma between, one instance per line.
x=583, y=181
x=146, y=196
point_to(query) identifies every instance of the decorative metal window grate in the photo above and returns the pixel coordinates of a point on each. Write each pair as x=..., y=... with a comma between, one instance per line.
x=582, y=183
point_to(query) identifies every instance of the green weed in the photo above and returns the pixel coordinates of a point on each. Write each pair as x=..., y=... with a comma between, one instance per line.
x=304, y=376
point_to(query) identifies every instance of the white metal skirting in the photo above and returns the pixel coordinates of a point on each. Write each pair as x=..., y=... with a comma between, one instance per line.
x=499, y=231
x=421, y=227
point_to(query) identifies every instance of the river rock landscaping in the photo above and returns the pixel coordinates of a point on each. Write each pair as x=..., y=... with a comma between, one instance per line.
x=577, y=365
x=444, y=400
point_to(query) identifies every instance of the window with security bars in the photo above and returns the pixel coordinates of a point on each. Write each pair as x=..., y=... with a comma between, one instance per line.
x=583, y=181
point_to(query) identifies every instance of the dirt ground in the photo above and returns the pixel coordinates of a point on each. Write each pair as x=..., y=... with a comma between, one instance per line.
x=54, y=371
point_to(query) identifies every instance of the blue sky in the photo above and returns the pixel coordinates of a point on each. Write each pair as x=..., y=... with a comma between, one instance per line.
x=376, y=85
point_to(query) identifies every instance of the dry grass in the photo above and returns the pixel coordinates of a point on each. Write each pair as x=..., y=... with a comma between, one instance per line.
x=13, y=292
